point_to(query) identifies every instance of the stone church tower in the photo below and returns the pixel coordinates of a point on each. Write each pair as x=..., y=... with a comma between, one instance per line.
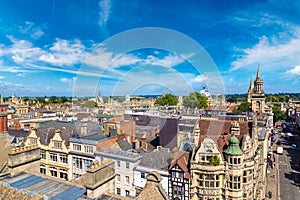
x=256, y=95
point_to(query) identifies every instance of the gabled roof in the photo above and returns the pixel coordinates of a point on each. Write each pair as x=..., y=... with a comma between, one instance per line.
x=181, y=158
x=219, y=130
x=157, y=159
x=46, y=134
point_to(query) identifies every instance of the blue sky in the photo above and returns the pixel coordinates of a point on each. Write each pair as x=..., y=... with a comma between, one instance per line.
x=59, y=47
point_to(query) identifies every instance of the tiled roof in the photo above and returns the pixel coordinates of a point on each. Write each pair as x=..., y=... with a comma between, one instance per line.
x=107, y=144
x=181, y=158
x=219, y=130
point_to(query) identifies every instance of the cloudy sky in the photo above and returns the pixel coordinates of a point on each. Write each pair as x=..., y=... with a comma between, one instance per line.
x=71, y=48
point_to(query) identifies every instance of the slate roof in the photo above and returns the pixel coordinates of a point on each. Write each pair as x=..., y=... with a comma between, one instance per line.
x=46, y=133
x=18, y=133
x=157, y=159
x=124, y=144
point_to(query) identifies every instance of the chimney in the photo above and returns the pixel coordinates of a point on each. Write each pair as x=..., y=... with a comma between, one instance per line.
x=3, y=120
x=235, y=128
x=144, y=142
x=83, y=130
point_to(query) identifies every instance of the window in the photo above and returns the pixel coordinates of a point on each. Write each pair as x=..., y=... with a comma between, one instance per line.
x=33, y=141
x=76, y=147
x=77, y=162
x=127, y=180
x=42, y=169
x=88, y=149
x=178, y=190
x=234, y=182
x=53, y=157
x=53, y=171
x=63, y=158
x=118, y=178
x=209, y=181
x=247, y=176
x=57, y=144
x=87, y=163
x=43, y=155
x=63, y=174
x=118, y=163
x=127, y=165
x=127, y=193
x=143, y=175
x=118, y=191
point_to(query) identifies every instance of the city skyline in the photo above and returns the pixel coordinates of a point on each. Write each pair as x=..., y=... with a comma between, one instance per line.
x=45, y=49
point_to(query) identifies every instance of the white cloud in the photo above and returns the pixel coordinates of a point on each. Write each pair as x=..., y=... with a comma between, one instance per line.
x=200, y=79
x=6, y=87
x=105, y=6
x=64, y=53
x=21, y=74
x=274, y=53
x=167, y=61
x=295, y=72
x=35, y=32
x=2, y=77
x=22, y=50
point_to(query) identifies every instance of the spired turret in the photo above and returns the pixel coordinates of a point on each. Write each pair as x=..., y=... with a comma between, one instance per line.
x=256, y=95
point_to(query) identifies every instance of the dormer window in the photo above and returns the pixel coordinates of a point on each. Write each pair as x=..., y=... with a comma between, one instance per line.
x=57, y=144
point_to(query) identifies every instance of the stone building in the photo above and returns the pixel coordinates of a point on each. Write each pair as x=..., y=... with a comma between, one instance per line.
x=54, y=153
x=230, y=160
x=125, y=162
x=256, y=95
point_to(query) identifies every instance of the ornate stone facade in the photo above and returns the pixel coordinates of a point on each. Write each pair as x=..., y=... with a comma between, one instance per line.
x=231, y=166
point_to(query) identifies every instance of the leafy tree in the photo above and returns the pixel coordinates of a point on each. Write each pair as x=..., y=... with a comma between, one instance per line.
x=90, y=104
x=272, y=98
x=194, y=100
x=231, y=100
x=62, y=100
x=214, y=160
x=167, y=100
x=278, y=115
x=243, y=107
x=52, y=99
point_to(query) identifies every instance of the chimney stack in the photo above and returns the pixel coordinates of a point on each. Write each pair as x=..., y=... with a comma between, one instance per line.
x=3, y=120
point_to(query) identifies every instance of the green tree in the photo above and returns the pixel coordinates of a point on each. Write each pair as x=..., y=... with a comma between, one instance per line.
x=167, y=100
x=272, y=98
x=278, y=115
x=90, y=104
x=243, y=107
x=194, y=100
x=214, y=160
x=52, y=99
x=62, y=100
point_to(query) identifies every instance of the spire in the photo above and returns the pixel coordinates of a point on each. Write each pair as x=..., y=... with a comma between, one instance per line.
x=99, y=91
x=251, y=84
x=258, y=77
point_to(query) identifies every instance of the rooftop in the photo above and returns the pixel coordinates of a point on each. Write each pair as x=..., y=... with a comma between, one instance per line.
x=36, y=185
x=119, y=155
